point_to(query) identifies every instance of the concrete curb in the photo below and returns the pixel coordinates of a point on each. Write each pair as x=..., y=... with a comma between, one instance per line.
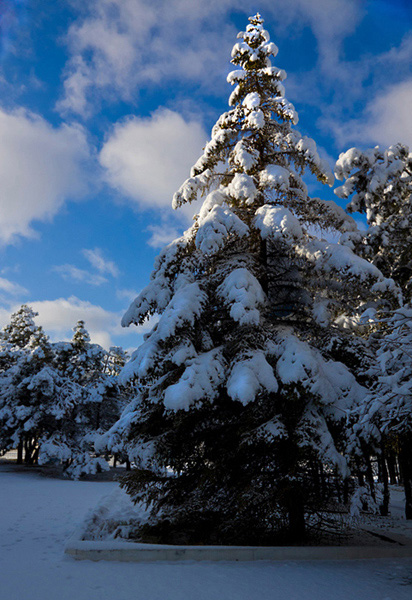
x=134, y=552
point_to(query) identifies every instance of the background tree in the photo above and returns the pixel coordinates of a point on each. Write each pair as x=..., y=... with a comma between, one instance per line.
x=379, y=184
x=96, y=409
x=24, y=351
x=56, y=399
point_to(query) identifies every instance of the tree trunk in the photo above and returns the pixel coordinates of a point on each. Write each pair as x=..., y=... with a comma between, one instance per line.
x=384, y=507
x=27, y=452
x=405, y=463
x=296, y=517
x=393, y=474
x=369, y=474
x=20, y=452
x=35, y=457
x=346, y=491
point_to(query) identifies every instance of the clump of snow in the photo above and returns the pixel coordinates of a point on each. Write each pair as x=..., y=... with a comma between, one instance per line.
x=242, y=187
x=182, y=353
x=277, y=222
x=182, y=310
x=275, y=176
x=244, y=156
x=348, y=223
x=243, y=293
x=252, y=100
x=200, y=381
x=115, y=436
x=215, y=197
x=249, y=376
x=113, y=517
x=320, y=312
x=327, y=256
x=255, y=119
x=235, y=76
x=189, y=190
x=274, y=429
x=299, y=362
x=216, y=227
x=346, y=161
x=270, y=48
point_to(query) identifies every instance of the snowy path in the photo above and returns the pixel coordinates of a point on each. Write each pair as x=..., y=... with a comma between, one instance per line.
x=38, y=514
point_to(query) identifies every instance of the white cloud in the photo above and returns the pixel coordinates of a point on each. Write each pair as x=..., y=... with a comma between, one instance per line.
x=147, y=159
x=389, y=116
x=73, y=273
x=123, y=44
x=126, y=294
x=387, y=119
x=331, y=21
x=119, y=45
x=11, y=288
x=58, y=317
x=97, y=260
x=162, y=235
x=40, y=168
x=10, y=291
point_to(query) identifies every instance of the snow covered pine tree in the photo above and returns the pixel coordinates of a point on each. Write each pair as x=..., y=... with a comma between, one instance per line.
x=379, y=182
x=97, y=407
x=236, y=430
x=34, y=396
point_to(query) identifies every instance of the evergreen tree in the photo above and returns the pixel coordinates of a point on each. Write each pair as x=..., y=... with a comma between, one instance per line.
x=116, y=358
x=20, y=330
x=55, y=399
x=24, y=351
x=379, y=183
x=385, y=417
x=241, y=402
x=97, y=406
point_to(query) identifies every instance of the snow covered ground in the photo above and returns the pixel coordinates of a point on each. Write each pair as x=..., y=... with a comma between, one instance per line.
x=38, y=514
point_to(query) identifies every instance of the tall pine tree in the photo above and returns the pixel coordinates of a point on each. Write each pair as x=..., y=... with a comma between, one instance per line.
x=236, y=433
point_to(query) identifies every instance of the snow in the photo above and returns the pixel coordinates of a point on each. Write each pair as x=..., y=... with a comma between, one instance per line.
x=245, y=157
x=244, y=294
x=270, y=48
x=251, y=100
x=255, y=120
x=200, y=380
x=216, y=227
x=327, y=256
x=236, y=75
x=331, y=380
x=183, y=309
x=216, y=197
x=249, y=376
x=37, y=515
x=112, y=517
x=242, y=187
x=348, y=223
x=275, y=176
x=277, y=222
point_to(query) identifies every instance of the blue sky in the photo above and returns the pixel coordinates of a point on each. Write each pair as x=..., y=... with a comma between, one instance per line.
x=106, y=104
